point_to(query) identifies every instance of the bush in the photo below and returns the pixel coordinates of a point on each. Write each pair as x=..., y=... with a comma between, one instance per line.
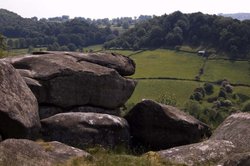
x=200, y=90
x=209, y=88
x=246, y=106
x=222, y=93
x=226, y=103
x=197, y=96
x=229, y=88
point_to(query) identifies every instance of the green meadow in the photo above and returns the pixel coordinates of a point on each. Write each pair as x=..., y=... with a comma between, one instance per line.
x=166, y=63
x=234, y=71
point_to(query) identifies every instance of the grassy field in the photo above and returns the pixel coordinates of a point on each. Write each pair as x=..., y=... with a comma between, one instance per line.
x=93, y=48
x=167, y=63
x=124, y=52
x=14, y=52
x=153, y=89
x=234, y=71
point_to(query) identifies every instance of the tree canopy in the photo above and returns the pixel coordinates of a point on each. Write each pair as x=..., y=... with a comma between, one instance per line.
x=222, y=33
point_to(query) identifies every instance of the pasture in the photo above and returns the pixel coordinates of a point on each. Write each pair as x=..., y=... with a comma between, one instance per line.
x=234, y=71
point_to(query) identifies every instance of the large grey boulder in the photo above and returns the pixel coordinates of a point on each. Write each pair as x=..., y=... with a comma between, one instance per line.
x=48, y=111
x=16, y=152
x=236, y=128
x=65, y=80
x=238, y=159
x=205, y=153
x=122, y=64
x=86, y=129
x=157, y=126
x=18, y=106
x=229, y=146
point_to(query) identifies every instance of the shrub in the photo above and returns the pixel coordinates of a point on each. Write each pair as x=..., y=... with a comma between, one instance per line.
x=229, y=88
x=209, y=88
x=246, y=106
x=200, y=90
x=222, y=93
x=226, y=103
x=197, y=96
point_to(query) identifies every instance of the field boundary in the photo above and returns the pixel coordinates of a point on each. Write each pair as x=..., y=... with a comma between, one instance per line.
x=186, y=79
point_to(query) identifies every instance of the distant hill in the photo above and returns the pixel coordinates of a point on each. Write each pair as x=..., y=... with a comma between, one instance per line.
x=70, y=35
x=239, y=16
x=223, y=34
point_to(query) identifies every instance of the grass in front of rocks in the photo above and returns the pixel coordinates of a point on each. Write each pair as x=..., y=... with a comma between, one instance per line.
x=118, y=157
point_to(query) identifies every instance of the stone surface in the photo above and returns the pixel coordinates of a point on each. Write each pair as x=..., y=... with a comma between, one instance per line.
x=86, y=129
x=122, y=64
x=48, y=111
x=157, y=126
x=16, y=152
x=18, y=106
x=228, y=146
x=238, y=159
x=66, y=80
x=236, y=128
x=205, y=153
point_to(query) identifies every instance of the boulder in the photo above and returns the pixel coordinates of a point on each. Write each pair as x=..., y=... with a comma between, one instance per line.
x=16, y=152
x=86, y=129
x=66, y=81
x=228, y=146
x=48, y=111
x=122, y=64
x=157, y=126
x=238, y=159
x=236, y=128
x=205, y=153
x=18, y=106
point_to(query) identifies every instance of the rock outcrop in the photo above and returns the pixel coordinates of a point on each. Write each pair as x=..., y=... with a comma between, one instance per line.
x=86, y=129
x=48, y=111
x=236, y=128
x=18, y=106
x=122, y=64
x=229, y=145
x=157, y=126
x=204, y=153
x=73, y=79
x=16, y=152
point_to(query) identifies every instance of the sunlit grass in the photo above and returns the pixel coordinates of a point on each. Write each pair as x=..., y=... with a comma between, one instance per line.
x=234, y=71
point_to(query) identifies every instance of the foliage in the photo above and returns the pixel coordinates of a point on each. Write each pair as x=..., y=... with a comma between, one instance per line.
x=246, y=106
x=213, y=108
x=120, y=156
x=167, y=99
x=224, y=34
x=71, y=34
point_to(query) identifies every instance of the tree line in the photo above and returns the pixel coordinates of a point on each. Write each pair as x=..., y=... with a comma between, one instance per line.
x=197, y=29
x=69, y=35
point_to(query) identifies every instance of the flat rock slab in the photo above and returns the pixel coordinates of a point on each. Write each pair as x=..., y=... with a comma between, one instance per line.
x=228, y=146
x=66, y=80
x=86, y=129
x=48, y=111
x=236, y=128
x=157, y=126
x=18, y=106
x=204, y=153
x=16, y=152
